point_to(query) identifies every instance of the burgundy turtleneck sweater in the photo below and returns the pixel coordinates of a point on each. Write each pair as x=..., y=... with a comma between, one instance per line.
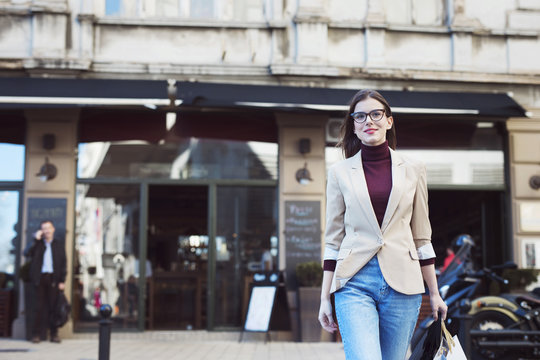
x=378, y=173
x=377, y=166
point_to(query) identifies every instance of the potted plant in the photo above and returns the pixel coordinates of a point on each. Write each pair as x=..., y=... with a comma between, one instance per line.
x=309, y=278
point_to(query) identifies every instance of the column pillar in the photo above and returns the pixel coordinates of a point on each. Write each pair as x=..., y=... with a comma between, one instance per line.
x=309, y=198
x=60, y=126
x=525, y=178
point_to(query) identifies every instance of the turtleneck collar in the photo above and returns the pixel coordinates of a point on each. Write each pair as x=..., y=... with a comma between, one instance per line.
x=375, y=153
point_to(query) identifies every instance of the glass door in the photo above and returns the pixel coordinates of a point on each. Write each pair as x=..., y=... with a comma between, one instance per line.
x=245, y=242
x=106, y=269
x=9, y=237
x=177, y=253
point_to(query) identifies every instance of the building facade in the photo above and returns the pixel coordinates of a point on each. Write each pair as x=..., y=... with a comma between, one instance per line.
x=180, y=131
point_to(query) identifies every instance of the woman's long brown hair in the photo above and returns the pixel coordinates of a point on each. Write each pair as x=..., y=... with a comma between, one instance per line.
x=349, y=142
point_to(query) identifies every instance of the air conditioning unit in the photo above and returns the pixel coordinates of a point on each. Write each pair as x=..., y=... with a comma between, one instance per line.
x=333, y=129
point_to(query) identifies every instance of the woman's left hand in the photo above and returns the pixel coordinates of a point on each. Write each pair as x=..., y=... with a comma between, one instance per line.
x=438, y=305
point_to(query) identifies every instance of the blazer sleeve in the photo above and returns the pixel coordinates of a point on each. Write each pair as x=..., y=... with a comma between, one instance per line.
x=420, y=225
x=335, y=212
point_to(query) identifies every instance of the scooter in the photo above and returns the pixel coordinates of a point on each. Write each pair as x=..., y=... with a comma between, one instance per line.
x=459, y=284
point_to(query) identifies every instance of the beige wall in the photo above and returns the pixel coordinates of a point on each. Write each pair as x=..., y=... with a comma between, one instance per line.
x=292, y=128
x=63, y=124
x=525, y=163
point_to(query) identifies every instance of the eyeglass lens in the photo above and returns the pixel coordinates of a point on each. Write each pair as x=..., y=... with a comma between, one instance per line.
x=375, y=115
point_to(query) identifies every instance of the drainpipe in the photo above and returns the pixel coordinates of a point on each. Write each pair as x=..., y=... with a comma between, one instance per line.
x=449, y=19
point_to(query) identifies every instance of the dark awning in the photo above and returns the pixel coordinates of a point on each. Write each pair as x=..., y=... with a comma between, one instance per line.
x=335, y=100
x=110, y=109
x=113, y=109
x=26, y=92
x=46, y=92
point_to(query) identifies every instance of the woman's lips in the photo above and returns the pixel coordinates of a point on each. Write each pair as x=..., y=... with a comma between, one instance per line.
x=370, y=131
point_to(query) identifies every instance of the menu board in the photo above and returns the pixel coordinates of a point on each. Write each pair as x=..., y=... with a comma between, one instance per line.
x=53, y=209
x=302, y=235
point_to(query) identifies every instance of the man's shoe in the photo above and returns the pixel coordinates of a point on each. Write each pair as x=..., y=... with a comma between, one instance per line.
x=56, y=339
x=36, y=339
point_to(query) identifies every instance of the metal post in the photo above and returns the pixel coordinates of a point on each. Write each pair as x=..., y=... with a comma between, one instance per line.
x=465, y=326
x=105, y=332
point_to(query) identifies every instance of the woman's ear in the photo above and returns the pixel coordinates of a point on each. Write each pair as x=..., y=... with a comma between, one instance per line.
x=390, y=122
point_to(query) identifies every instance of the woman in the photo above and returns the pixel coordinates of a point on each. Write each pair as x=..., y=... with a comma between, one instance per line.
x=378, y=249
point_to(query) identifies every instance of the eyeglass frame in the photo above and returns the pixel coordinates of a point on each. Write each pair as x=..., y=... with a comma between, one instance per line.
x=368, y=114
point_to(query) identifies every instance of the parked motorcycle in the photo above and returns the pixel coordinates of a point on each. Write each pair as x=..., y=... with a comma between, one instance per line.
x=517, y=317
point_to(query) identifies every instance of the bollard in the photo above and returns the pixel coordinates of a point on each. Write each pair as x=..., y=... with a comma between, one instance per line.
x=465, y=326
x=105, y=332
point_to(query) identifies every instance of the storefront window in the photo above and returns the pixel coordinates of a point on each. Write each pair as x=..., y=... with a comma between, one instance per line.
x=246, y=242
x=106, y=268
x=12, y=162
x=189, y=158
x=9, y=236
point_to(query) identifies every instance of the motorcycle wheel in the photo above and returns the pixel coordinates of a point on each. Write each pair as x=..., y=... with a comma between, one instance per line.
x=490, y=320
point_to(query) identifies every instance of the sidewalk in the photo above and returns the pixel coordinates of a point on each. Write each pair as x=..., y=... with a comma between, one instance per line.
x=166, y=345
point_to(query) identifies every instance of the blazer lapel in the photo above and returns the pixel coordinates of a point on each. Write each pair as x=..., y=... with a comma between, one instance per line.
x=398, y=178
x=359, y=184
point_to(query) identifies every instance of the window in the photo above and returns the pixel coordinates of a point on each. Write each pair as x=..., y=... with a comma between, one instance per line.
x=13, y=162
x=189, y=158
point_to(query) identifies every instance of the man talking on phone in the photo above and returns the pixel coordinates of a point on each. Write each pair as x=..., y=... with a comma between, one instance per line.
x=48, y=275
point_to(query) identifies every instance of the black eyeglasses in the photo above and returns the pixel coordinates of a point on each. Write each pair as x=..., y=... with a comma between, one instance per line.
x=375, y=115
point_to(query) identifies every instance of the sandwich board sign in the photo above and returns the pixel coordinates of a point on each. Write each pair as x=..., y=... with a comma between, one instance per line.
x=260, y=308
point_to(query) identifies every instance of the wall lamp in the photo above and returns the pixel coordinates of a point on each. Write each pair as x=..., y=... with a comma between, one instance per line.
x=47, y=172
x=534, y=182
x=302, y=175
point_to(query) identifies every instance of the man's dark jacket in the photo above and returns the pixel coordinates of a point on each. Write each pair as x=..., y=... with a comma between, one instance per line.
x=36, y=252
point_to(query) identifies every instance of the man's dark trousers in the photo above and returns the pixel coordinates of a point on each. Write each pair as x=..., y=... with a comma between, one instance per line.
x=47, y=293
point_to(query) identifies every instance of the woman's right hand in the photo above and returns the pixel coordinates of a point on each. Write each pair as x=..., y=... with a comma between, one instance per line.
x=325, y=316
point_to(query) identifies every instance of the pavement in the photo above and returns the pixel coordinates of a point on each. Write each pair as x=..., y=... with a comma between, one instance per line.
x=157, y=345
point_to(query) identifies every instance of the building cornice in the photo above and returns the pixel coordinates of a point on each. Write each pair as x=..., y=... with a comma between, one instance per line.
x=276, y=69
x=193, y=23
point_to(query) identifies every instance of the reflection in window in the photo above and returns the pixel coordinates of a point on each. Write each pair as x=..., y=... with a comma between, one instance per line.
x=246, y=242
x=199, y=9
x=202, y=9
x=12, y=162
x=106, y=244
x=190, y=158
x=9, y=237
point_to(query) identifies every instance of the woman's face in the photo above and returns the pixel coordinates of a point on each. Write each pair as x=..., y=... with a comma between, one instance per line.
x=370, y=132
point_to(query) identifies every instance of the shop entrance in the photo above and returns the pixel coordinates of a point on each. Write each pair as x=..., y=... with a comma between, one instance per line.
x=478, y=213
x=177, y=257
x=204, y=244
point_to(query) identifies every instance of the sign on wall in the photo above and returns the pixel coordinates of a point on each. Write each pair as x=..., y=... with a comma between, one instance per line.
x=302, y=235
x=40, y=209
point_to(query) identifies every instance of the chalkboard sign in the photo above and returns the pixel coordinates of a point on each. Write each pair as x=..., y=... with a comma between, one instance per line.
x=302, y=235
x=40, y=209
x=260, y=308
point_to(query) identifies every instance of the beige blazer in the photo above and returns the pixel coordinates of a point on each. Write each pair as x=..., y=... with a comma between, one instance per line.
x=353, y=235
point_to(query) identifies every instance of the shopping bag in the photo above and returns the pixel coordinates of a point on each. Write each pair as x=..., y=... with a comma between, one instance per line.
x=62, y=310
x=427, y=346
x=450, y=348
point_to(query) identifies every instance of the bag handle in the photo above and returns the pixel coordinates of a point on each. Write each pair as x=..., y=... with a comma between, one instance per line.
x=446, y=334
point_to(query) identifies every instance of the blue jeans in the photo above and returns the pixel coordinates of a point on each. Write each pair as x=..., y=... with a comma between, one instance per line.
x=375, y=321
